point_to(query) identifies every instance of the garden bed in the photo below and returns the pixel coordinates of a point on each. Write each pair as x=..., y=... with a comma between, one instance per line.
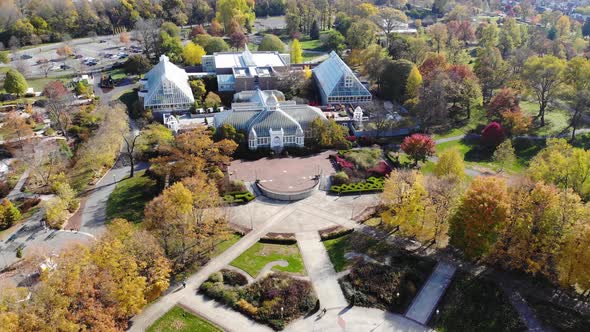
x=275, y=300
x=253, y=260
x=475, y=304
x=387, y=287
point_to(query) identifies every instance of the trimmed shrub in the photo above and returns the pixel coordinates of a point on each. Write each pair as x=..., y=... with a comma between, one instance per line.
x=279, y=238
x=216, y=277
x=371, y=184
x=233, y=278
x=238, y=197
x=334, y=232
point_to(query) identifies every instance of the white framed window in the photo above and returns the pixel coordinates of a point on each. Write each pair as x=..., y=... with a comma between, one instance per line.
x=348, y=81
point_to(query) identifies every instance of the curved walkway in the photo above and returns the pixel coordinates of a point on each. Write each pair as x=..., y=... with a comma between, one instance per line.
x=195, y=302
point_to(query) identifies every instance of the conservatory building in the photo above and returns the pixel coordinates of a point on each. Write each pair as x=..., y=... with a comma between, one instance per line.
x=338, y=84
x=165, y=89
x=268, y=120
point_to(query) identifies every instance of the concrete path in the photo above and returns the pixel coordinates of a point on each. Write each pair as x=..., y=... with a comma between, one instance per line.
x=151, y=313
x=95, y=206
x=222, y=316
x=320, y=270
x=16, y=191
x=356, y=319
x=527, y=315
x=425, y=302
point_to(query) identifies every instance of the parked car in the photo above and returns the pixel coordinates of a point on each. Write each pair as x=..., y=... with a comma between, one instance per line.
x=26, y=56
x=102, y=41
x=65, y=67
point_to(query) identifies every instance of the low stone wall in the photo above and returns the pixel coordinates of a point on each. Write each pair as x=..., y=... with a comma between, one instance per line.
x=287, y=195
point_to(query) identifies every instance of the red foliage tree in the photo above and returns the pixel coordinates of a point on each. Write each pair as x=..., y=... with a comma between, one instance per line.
x=492, y=135
x=215, y=29
x=198, y=30
x=432, y=64
x=505, y=100
x=418, y=147
x=55, y=89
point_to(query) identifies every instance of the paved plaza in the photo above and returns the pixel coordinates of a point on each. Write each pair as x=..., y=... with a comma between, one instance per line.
x=286, y=174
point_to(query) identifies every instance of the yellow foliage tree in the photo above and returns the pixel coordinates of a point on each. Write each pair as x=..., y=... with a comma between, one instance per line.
x=296, y=52
x=450, y=163
x=192, y=54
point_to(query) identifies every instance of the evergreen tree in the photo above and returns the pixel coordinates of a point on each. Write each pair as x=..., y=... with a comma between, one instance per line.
x=314, y=33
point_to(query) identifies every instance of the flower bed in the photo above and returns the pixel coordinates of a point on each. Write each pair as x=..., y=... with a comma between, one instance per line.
x=371, y=184
x=238, y=197
x=274, y=300
x=386, y=287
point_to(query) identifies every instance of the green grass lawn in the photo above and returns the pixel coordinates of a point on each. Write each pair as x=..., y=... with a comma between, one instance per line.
x=117, y=74
x=475, y=304
x=312, y=45
x=129, y=198
x=556, y=121
x=338, y=247
x=257, y=256
x=525, y=150
x=179, y=320
x=223, y=246
x=478, y=118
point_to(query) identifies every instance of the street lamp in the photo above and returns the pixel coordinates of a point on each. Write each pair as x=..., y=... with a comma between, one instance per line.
x=114, y=179
x=282, y=309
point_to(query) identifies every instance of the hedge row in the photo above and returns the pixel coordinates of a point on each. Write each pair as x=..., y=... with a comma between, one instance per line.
x=334, y=232
x=279, y=238
x=371, y=184
x=238, y=197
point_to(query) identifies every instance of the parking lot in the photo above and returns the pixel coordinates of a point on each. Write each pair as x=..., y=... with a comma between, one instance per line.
x=88, y=53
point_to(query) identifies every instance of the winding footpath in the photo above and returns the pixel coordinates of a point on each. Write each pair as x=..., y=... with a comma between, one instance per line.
x=226, y=318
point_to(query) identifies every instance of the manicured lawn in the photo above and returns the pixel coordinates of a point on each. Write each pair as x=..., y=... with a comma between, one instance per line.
x=117, y=74
x=477, y=119
x=223, y=246
x=556, y=121
x=359, y=243
x=178, y=319
x=475, y=304
x=128, y=98
x=525, y=150
x=129, y=198
x=313, y=45
x=257, y=256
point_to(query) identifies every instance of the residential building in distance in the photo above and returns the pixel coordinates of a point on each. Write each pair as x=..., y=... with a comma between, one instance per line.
x=338, y=84
x=165, y=89
x=246, y=70
x=269, y=120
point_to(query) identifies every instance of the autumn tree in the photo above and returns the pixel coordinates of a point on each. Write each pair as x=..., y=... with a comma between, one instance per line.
x=124, y=38
x=296, y=52
x=418, y=147
x=16, y=127
x=505, y=99
x=212, y=100
x=239, y=10
x=439, y=35
x=190, y=153
x=419, y=206
x=152, y=137
x=192, y=54
x=577, y=91
x=328, y=134
x=544, y=77
x=504, y=155
x=413, y=84
x=185, y=221
x=450, y=163
x=480, y=216
x=59, y=101
x=491, y=70
x=492, y=135
x=572, y=266
x=388, y=19
x=563, y=165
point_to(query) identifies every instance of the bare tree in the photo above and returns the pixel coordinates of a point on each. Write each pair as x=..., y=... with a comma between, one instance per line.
x=59, y=108
x=147, y=32
x=45, y=66
x=130, y=139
